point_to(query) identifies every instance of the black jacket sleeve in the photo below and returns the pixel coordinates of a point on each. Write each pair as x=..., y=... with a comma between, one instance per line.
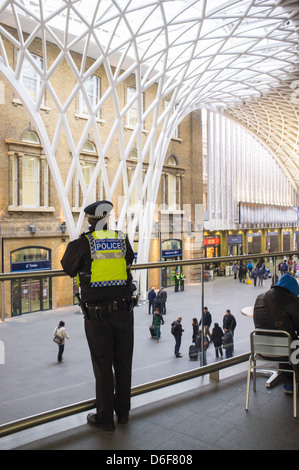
x=76, y=257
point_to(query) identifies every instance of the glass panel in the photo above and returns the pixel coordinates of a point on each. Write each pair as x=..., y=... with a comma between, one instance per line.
x=45, y=293
x=30, y=181
x=172, y=192
x=15, y=298
x=29, y=136
x=25, y=295
x=29, y=254
x=92, y=86
x=219, y=294
x=87, y=170
x=35, y=295
x=132, y=114
x=30, y=78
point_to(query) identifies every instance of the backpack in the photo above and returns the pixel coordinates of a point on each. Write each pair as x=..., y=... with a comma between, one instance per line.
x=173, y=328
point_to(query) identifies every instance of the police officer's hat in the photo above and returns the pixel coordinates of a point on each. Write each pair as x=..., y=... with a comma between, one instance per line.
x=98, y=210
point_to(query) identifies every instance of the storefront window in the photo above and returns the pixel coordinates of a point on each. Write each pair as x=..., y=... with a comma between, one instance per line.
x=212, y=246
x=30, y=295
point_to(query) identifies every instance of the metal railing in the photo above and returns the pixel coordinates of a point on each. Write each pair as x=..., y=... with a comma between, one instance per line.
x=70, y=410
x=52, y=415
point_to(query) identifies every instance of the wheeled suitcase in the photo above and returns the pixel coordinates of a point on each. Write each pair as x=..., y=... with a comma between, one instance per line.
x=152, y=331
x=193, y=352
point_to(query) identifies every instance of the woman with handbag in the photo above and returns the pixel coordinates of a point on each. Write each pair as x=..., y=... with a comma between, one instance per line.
x=59, y=336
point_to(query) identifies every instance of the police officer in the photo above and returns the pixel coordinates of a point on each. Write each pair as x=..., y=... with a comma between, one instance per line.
x=100, y=258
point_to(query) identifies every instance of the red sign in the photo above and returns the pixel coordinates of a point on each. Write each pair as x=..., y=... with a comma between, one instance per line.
x=212, y=241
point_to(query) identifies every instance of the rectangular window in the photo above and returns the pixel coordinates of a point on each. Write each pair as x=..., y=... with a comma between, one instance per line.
x=87, y=170
x=29, y=185
x=132, y=114
x=15, y=183
x=30, y=77
x=176, y=130
x=92, y=87
x=30, y=181
x=134, y=195
x=172, y=192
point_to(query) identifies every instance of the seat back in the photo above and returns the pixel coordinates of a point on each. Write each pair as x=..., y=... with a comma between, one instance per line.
x=270, y=343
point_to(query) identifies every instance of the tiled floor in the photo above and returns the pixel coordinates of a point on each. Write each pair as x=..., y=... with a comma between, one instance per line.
x=208, y=417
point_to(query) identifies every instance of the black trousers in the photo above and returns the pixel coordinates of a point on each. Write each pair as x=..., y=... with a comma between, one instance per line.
x=110, y=342
x=60, y=352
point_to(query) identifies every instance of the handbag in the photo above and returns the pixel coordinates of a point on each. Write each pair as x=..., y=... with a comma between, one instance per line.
x=58, y=340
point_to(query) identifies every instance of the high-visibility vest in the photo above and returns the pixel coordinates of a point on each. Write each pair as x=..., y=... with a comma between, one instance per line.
x=108, y=252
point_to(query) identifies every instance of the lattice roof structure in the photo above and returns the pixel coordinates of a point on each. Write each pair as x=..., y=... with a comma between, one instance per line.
x=239, y=57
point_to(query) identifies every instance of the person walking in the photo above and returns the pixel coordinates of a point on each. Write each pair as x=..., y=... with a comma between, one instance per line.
x=229, y=321
x=228, y=343
x=60, y=335
x=242, y=272
x=260, y=276
x=177, y=331
x=101, y=259
x=202, y=353
x=195, y=328
x=235, y=270
x=157, y=322
x=216, y=338
x=207, y=320
x=151, y=298
x=255, y=275
x=250, y=268
x=163, y=297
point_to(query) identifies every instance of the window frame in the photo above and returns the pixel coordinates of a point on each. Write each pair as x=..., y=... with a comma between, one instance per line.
x=94, y=98
x=38, y=81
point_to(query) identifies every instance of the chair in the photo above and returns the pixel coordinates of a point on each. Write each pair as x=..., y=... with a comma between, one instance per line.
x=271, y=346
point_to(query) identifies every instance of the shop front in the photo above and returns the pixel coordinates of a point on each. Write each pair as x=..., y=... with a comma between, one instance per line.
x=286, y=240
x=235, y=245
x=171, y=251
x=212, y=246
x=30, y=295
x=273, y=242
x=254, y=241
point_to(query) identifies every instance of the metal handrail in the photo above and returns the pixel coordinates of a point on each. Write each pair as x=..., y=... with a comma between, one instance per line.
x=158, y=264
x=66, y=411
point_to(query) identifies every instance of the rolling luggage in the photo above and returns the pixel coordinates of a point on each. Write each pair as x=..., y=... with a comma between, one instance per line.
x=152, y=331
x=193, y=352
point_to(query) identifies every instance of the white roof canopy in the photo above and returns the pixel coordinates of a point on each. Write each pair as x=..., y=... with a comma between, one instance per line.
x=238, y=57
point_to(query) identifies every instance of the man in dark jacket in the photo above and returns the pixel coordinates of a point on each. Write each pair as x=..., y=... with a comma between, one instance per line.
x=177, y=331
x=157, y=322
x=151, y=298
x=207, y=320
x=285, y=299
x=229, y=321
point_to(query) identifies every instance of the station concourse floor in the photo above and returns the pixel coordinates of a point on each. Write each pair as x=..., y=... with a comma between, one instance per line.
x=200, y=414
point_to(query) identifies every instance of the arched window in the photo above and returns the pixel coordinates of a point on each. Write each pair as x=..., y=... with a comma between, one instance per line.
x=29, y=136
x=172, y=160
x=172, y=183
